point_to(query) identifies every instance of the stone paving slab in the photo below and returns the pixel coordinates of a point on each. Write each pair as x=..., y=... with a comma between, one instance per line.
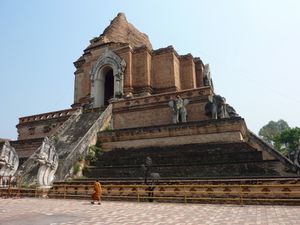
x=31, y=211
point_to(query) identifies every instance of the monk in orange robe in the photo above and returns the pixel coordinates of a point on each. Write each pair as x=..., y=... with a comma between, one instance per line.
x=96, y=196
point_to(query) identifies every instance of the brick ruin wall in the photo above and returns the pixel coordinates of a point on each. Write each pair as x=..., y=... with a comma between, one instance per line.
x=154, y=110
x=147, y=71
x=41, y=125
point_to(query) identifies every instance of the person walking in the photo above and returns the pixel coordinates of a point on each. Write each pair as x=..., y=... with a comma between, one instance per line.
x=96, y=196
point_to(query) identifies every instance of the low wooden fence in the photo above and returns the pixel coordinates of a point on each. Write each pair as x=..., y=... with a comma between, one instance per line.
x=240, y=194
x=10, y=186
x=194, y=193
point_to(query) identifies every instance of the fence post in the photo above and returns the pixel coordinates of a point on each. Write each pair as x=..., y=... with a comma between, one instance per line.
x=9, y=186
x=65, y=191
x=18, y=179
x=241, y=196
x=1, y=190
x=35, y=192
x=185, y=201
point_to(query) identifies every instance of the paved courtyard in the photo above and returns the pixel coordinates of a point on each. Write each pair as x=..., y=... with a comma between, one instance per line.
x=53, y=212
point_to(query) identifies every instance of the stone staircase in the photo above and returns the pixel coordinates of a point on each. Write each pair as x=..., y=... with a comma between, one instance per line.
x=212, y=148
x=76, y=140
x=186, y=161
x=72, y=141
x=260, y=144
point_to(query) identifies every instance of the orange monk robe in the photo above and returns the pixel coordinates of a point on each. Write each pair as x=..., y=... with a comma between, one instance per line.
x=97, y=191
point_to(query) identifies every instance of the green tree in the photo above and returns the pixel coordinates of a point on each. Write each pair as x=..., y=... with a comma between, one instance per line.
x=272, y=130
x=288, y=140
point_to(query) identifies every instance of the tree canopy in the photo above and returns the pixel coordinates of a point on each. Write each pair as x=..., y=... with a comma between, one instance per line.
x=288, y=140
x=281, y=136
x=272, y=130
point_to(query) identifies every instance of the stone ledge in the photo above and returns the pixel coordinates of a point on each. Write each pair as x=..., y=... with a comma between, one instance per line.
x=209, y=131
x=176, y=140
x=201, y=92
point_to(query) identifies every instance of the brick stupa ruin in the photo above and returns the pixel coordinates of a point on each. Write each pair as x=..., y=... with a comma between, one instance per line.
x=157, y=104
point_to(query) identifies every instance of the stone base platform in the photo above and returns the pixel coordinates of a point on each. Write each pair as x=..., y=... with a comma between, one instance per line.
x=212, y=148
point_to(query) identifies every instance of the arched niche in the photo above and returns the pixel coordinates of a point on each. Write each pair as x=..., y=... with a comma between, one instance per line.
x=107, y=78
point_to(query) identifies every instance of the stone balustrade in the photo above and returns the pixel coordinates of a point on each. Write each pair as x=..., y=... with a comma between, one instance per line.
x=46, y=116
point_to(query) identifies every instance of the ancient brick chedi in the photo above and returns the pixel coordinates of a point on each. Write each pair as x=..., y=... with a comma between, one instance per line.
x=155, y=103
x=143, y=85
x=146, y=71
x=121, y=63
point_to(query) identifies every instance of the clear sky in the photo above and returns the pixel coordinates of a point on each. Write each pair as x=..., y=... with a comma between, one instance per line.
x=253, y=48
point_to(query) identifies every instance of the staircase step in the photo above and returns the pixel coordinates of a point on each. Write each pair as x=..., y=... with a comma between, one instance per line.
x=192, y=160
x=179, y=158
x=256, y=168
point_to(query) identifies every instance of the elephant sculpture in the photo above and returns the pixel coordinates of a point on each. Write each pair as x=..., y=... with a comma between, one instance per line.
x=217, y=108
x=9, y=162
x=179, y=110
x=47, y=157
x=231, y=111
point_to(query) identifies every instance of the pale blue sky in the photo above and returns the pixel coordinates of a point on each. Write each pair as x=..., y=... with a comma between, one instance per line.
x=253, y=48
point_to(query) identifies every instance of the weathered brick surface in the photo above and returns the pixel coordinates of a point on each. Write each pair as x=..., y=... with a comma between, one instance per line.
x=163, y=70
x=25, y=148
x=203, y=148
x=141, y=70
x=41, y=125
x=147, y=71
x=127, y=56
x=176, y=140
x=227, y=130
x=187, y=72
x=154, y=110
x=184, y=161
